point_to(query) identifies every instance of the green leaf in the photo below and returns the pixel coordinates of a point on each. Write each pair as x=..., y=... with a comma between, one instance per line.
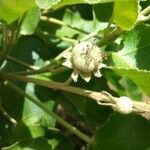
x=123, y=132
x=131, y=89
x=10, y=10
x=73, y=2
x=74, y=19
x=122, y=85
x=44, y=95
x=125, y=13
x=133, y=59
x=30, y=144
x=135, y=52
x=96, y=115
x=30, y=21
x=46, y=4
x=140, y=77
x=29, y=127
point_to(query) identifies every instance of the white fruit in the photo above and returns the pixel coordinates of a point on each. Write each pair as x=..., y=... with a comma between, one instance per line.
x=124, y=105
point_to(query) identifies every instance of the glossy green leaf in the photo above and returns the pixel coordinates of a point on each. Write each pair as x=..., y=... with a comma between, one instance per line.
x=46, y=4
x=125, y=13
x=30, y=21
x=30, y=144
x=123, y=132
x=10, y=10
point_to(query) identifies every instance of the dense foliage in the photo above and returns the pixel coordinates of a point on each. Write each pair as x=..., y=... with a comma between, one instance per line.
x=41, y=107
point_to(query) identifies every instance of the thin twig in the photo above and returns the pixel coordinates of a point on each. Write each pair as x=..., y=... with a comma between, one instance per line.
x=43, y=70
x=22, y=63
x=144, y=15
x=68, y=81
x=45, y=33
x=58, y=86
x=146, y=11
x=142, y=18
x=59, y=22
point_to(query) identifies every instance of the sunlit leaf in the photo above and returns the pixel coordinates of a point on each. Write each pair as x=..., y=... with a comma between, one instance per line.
x=125, y=13
x=10, y=10
x=133, y=59
x=30, y=21
x=97, y=1
x=29, y=127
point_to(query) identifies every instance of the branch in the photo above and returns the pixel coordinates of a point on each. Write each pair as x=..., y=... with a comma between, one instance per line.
x=42, y=70
x=146, y=11
x=102, y=98
x=144, y=15
x=112, y=36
